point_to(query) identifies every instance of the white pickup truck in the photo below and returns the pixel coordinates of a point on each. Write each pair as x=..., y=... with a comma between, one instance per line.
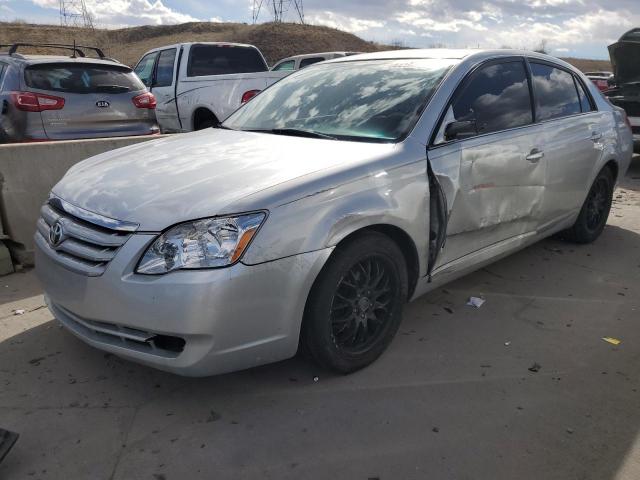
x=198, y=85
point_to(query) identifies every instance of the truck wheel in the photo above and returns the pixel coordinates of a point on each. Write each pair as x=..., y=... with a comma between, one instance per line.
x=355, y=306
x=595, y=210
x=204, y=119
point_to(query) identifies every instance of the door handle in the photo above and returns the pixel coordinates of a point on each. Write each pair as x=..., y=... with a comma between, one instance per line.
x=595, y=136
x=534, y=156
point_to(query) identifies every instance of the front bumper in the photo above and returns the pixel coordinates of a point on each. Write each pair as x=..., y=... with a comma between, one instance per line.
x=230, y=318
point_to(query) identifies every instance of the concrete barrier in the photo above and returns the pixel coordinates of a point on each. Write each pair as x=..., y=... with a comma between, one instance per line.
x=27, y=174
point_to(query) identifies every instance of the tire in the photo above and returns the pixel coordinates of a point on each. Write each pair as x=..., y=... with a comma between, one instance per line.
x=595, y=210
x=342, y=329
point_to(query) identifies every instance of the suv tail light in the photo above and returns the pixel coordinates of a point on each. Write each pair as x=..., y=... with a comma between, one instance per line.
x=246, y=96
x=36, y=102
x=145, y=100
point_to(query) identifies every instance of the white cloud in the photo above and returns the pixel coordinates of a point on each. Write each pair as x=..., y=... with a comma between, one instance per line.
x=334, y=20
x=113, y=13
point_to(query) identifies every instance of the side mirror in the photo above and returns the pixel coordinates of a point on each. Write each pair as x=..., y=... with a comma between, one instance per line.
x=460, y=130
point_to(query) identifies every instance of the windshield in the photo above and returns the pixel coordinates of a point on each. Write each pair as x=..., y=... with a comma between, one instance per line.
x=375, y=100
x=79, y=78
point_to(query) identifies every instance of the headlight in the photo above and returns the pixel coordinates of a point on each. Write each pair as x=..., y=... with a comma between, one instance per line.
x=207, y=243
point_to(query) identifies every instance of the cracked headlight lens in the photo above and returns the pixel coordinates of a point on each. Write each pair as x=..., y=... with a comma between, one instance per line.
x=207, y=243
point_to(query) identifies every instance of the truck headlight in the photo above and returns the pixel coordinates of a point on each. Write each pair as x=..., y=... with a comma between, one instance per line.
x=207, y=243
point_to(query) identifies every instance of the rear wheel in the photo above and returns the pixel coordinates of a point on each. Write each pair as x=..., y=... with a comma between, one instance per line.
x=355, y=306
x=595, y=210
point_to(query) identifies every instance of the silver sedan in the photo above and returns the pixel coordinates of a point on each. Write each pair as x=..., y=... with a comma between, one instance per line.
x=319, y=208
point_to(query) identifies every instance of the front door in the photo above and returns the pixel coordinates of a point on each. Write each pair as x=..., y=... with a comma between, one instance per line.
x=494, y=176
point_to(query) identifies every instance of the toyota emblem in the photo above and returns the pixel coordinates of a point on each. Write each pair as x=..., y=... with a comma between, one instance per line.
x=56, y=234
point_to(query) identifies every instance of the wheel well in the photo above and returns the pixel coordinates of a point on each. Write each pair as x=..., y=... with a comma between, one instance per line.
x=613, y=166
x=403, y=240
x=203, y=115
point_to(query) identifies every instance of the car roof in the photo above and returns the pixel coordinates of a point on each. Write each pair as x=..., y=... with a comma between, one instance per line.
x=453, y=54
x=185, y=44
x=317, y=54
x=39, y=59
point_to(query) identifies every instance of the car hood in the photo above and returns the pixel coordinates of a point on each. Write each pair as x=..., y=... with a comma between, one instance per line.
x=625, y=59
x=183, y=177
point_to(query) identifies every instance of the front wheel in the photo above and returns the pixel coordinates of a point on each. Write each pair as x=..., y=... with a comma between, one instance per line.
x=595, y=210
x=355, y=306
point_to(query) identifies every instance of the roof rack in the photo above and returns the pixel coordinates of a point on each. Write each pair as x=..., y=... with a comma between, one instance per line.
x=76, y=49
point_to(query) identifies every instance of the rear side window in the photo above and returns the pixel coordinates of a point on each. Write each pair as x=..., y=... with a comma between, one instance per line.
x=164, y=70
x=222, y=60
x=497, y=97
x=79, y=78
x=288, y=65
x=305, y=62
x=585, y=101
x=144, y=68
x=556, y=94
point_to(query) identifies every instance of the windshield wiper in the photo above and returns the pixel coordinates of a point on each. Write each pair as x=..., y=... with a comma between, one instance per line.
x=296, y=132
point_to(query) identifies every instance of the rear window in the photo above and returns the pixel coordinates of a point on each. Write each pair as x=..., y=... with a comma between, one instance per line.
x=78, y=78
x=223, y=60
x=556, y=94
x=305, y=62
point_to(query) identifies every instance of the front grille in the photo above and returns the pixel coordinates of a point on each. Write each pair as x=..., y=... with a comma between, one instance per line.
x=82, y=246
x=635, y=130
x=119, y=336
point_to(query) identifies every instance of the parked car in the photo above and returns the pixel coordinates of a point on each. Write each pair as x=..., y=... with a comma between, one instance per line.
x=321, y=206
x=602, y=80
x=625, y=93
x=200, y=84
x=47, y=97
x=297, y=62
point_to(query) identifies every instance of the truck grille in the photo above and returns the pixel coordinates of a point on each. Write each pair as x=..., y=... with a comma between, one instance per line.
x=76, y=244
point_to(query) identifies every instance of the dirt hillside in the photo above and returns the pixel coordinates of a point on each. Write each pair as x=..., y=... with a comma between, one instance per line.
x=274, y=40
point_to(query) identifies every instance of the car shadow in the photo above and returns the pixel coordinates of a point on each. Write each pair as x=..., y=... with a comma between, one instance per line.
x=454, y=395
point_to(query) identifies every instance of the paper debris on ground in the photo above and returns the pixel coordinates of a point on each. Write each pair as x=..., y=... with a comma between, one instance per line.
x=612, y=341
x=475, y=302
x=19, y=312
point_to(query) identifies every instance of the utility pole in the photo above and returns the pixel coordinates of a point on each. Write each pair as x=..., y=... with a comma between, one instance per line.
x=278, y=9
x=74, y=13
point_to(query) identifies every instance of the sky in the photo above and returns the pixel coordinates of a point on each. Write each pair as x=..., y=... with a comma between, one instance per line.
x=578, y=28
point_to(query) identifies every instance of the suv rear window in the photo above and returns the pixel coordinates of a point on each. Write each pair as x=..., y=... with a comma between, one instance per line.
x=79, y=78
x=223, y=60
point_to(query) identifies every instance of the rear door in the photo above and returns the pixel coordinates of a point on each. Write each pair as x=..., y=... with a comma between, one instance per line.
x=98, y=100
x=498, y=174
x=572, y=143
x=163, y=87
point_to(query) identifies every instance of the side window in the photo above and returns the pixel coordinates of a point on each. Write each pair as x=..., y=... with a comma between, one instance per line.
x=556, y=94
x=497, y=97
x=288, y=65
x=305, y=62
x=144, y=68
x=164, y=70
x=585, y=100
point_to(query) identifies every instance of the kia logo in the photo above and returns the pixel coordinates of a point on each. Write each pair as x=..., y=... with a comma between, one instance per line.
x=56, y=234
x=102, y=104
